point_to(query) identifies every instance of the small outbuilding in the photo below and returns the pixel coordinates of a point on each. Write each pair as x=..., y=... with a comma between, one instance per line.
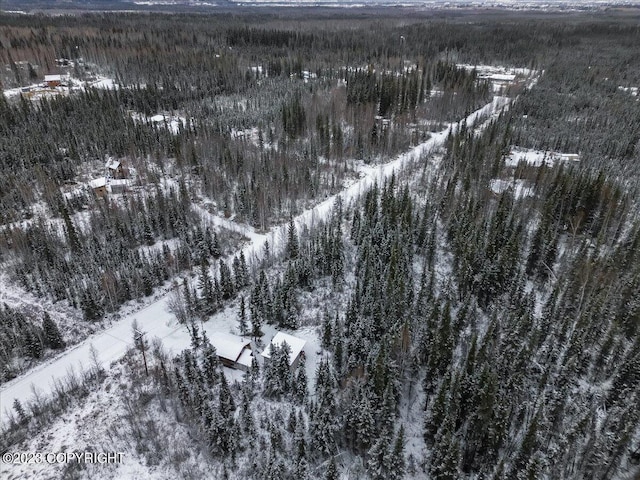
x=115, y=169
x=233, y=351
x=295, y=344
x=99, y=186
x=52, y=81
x=570, y=157
x=118, y=186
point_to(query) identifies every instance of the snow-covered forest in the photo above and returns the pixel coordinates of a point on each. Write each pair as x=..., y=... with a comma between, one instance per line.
x=462, y=302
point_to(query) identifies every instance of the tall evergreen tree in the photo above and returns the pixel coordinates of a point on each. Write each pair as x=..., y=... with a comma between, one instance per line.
x=22, y=415
x=242, y=317
x=332, y=470
x=293, y=246
x=226, y=281
x=52, y=336
x=208, y=301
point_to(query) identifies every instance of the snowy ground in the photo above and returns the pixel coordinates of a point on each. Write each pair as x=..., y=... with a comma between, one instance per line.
x=523, y=188
x=631, y=90
x=499, y=71
x=520, y=187
x=37, y=91
x=500, y=76
x=172, y=122
x=155, y=318
x=537, y=157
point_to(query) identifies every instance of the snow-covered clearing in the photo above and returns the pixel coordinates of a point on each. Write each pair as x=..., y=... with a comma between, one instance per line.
x=631, y=90
x=104, y=83
x=172, y=122
x=485, y=71
x=500, y=76
x=537, y=157
x=155, y=318
x=520, y=187
x=37, y=91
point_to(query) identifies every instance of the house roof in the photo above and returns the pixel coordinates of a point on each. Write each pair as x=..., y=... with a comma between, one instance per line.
x=503, y=77
x=112, y=164
x=295, y=344
x=119, y=181
x=98, y=182
x=230, y=346
x=53, y=78
x=245, y=358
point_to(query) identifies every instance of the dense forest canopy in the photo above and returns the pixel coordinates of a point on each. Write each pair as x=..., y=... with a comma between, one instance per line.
x=477, y=314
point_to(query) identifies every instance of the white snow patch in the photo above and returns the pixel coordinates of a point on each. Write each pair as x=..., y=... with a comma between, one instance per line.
x=538, y=157
x=519, y=187
x=104, y=83
x=631, y=90
x=172, y=122
x=37, y=91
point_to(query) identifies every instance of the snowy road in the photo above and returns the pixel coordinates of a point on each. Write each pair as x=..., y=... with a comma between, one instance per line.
x=112, y=343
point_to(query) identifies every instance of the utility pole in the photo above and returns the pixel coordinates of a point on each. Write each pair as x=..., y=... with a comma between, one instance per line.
x=139, y=338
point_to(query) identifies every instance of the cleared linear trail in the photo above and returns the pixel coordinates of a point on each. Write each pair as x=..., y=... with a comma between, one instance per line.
x=112, y=343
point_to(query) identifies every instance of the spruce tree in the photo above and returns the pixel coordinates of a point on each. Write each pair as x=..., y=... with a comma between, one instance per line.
x=72, y=234
x=326, y=337
x=237, y=274
x=378, y=458
x=226, y=403
x=332, y=470
x=293, y=246
x=445, y=457
x=242, y=317
x=226, y=281
x=33, y=342
x=323, y=424
x=302, y=470
x=208, y=301
x=299, y=439
x=23, y=418
x=52, y=336
x=91, y=308
x=189, y=298
x=215, y=247
x=397, y=464
x=364, y=423
x=278, y=378
x=244, y=270
x=210, y=362
x=256, y=321
x=300, y=384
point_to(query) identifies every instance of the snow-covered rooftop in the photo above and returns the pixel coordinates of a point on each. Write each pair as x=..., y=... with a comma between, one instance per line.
x=503, y=77
x=53, y=78
x=112, y=164
x=245, y=358
x=230, y=346
x=295, y=344
x=98, y=182
x=119, y=181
